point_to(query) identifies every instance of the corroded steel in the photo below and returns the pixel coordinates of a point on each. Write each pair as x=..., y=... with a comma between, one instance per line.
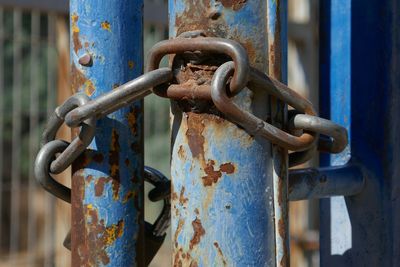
x=277, y=60
x=107, y=184
x=222, y=203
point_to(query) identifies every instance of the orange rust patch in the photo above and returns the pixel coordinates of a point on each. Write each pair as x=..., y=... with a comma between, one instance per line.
x=89, y=88
x=177, y=261
x=181, y=222
x=114, y=163
x=196, y=210
x=99, y=185
x=233, y=4
x=131, y=64
x=216, y=245
x=75, y=33
x=114, y=232
x=182, y=199
x=198, y=233
x=227, y=168
x=194, y=134
x=105, y=25
x=212, y=175
x=131, y=118
x=94, y=235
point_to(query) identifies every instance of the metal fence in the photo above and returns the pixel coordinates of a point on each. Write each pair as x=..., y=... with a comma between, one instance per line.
x=28, y=93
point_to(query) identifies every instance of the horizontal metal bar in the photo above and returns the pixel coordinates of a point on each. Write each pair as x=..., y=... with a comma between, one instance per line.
x=326, y=182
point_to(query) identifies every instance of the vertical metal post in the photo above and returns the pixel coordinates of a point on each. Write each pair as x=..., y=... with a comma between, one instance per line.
x=277, y=59
x=360, y=89
x=107, y=184
x=223, y=180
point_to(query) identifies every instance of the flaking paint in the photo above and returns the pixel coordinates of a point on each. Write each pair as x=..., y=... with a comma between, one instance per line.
x=107, y=198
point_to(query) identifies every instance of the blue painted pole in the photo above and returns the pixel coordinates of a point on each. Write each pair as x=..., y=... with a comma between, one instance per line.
x=107, y=182
x=223, y=180
x=360, y=83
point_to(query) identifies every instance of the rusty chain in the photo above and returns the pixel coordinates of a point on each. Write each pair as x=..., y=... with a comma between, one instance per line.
x=301, y=136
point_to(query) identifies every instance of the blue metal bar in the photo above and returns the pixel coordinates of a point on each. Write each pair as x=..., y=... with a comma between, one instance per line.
x=325, y=182
x=222, y=178
x=360, y=89
x=107, y=184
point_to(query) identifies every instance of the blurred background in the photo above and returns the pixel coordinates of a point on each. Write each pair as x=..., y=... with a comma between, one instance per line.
x=34, y=69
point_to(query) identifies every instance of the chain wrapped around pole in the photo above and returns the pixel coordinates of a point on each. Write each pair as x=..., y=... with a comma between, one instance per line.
x=302, y=136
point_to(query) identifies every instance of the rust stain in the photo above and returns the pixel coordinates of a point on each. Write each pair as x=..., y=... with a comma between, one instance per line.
x=181, y=152
x=114, y=163
x=198, y=233
x=227, y=168
x=131, y=64
x=114, y=232
x=193, y=264
x=78, y=79
x=194, y=134
x=196, y=210
x=233, y=4
x=127, y=162
x=129, y=196
x=282, y=233
x=182, y=199
x=174, y=196
x=99, y=185
x=75, y=33
x=98, y=237
x=177, y=261
x=89, y=88
x=216, y=245
x=200, y=15
x=181, y=222
x=132, y=119
x=105, y=25
x=83, y=160
x=212, y=175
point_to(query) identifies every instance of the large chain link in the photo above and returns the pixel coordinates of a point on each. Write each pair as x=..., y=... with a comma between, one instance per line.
x=302, y=136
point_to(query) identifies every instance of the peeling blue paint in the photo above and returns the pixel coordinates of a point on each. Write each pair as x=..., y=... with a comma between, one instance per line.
x=113, y=46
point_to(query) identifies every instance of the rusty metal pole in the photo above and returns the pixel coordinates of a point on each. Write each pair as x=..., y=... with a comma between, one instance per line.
x=229, y=190
x=107, y=182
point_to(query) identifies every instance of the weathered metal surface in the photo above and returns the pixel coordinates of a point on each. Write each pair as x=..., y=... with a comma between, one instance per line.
x=325, y=182
x=277, y=60
x=222, y=202
x=107, y=185
x=360, y=89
